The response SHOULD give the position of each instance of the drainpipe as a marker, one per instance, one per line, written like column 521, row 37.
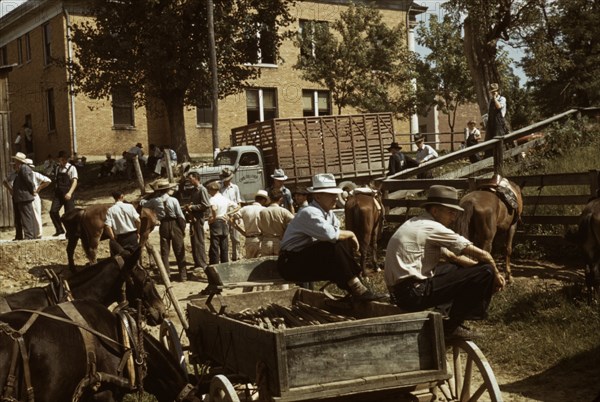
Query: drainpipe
column 70, row 77
column 410, row 37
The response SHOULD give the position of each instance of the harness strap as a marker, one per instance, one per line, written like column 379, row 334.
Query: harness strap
column 88, row 339
column 19, row 350
column 4, row 306
column 129, row 342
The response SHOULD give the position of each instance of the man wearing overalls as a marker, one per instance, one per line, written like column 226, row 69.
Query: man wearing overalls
column 65, row 179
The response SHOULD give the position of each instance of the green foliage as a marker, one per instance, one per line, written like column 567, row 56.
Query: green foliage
column 362, row 61
column 444, row 73
column 562, row 57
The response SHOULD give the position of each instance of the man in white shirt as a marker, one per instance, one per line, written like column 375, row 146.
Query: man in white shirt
column 65, row 181
column 220, row 209
column 232, row 192
column 249, row 216
column 40, row 182
column 424, row 154
column 122, row 223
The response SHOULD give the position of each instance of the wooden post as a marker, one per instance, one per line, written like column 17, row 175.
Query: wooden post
column 138, row 174
column 165, row 277
column 167, row 157
column 499, row 156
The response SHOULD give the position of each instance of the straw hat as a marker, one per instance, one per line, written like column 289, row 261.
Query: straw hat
column 261, row 193
column 494, row 87
column 226, row 174
column 162, row 184
column 324, row 183
column 443, row 195
column 29, row 162
column 21, row 157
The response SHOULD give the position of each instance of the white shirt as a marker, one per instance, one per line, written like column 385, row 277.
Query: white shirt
column 415, row 249
column 38, row 179
column 231, row 192
column 425, row 154
column 121, row 217
column 249, row 215
column 221, row 204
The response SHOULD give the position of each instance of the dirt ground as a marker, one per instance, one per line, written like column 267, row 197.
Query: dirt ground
column 22, row 264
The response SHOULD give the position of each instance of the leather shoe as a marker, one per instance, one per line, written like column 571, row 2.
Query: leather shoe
column 58, row 234
column 370, row 296
column 463, row 334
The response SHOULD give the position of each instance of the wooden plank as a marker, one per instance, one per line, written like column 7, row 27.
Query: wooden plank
column 556, row 199
column 551, row 220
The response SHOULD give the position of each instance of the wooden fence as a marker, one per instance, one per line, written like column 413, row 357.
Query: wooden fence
column 6, row 209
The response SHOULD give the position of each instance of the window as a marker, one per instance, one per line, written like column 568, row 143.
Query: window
column 204, row 114
column 50, row 109
column 261, row 45
column 27, row 47
column 3, row 55
column 19, row 50
column 261, row 104
column 123, row 111
column 47, row 33
column 315, row 103
column 249, row 159
column 308, row 31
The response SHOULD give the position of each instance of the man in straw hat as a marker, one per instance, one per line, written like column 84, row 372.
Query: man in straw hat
column 314, row 247
column 272, row 222
column 416, row 278
column 172, row 223
column 231, row 191
column 23, row 195
column 248, row 215
column 496, row 125
column 279, row 177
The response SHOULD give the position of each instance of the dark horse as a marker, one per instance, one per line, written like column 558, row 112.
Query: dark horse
column 364, row 216
column 64, row 365
column 101, row 283
column 485, row 214
column 588, row 237
column 87, row 224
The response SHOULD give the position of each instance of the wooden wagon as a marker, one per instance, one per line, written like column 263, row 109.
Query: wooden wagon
column 377, row 353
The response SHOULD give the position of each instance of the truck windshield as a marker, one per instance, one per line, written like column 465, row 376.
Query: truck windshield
column 226, row 158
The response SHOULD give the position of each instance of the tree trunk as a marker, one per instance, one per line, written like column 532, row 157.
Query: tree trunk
column 174, row 105
column 481, row 58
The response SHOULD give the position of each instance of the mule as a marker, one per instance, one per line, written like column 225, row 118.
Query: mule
column 87, row 224
column 63, row 366
column 364, row 216
column 588, row 236
column 485, row 214
column 102, row 283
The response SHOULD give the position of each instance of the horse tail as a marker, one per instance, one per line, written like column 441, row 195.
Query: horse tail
column 462, row 224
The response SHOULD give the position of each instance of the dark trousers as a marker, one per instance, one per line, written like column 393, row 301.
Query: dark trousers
column 129, row 241
column 28, row 220
column 57, row 203
column 321, row 261
column 18, row 226
column 171, row 233
column 219, row 245
column 468, row 290
column 197, row 241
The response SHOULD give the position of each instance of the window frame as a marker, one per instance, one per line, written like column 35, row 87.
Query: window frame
column 4, row 55
column 20, row 50
column 303, row 25
column 47, row 43
column 261, row 106
column 124, row 105
column 27, row 47
column 51, row 110
column 204, row 114
column 315, row 110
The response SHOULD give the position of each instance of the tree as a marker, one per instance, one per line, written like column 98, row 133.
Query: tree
column 562, row 57
column 362, row 61
column 158, row 50
column 448, row 74
column 485, row 25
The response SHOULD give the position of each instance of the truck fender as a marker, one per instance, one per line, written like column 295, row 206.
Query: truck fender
column 347, row 186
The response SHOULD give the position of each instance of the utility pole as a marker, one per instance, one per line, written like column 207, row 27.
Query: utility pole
column 213, row 70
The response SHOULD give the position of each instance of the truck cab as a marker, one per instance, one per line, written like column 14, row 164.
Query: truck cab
column 246, row 162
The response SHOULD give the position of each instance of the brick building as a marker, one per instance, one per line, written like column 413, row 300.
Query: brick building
column 35, row 34
column 435, row 126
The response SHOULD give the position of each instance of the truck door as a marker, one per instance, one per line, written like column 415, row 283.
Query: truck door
column 250, row 175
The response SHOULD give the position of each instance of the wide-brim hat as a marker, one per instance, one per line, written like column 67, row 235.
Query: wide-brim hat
column 21, row 157
column 443, row 195
column 279, row 174
column 494, row 87
column 301, row 190
column 394, row 145
column 29, row 162
column 226, row 174
column 162, row 184
column 262, row 193
column 324, row 183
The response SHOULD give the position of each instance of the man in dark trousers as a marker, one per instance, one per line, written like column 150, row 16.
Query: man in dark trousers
column 397, row 162
column 65, row 182
column 197, row 210
column 23, row 194
column 122, row 224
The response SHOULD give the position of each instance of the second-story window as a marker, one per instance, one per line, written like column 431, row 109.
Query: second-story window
column 123, row 110
column 47, row 34
column 309, row 29
column 20, row 50
column 262, row 44
column 27, row 47
column 204, row 114
column 51, row 110
column 261, row 104
column 315, row 103
column 3, row 55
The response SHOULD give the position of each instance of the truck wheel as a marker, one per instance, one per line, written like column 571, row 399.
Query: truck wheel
column 347, row 186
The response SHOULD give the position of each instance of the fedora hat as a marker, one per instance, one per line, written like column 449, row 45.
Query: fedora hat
column 494, row 87
column 394, row 145
column 261, row 193
column 21, row 157
column 162, row 184
column 226, row 174
column 443, row 195
column 29, row 162
column 279, row 174
column 324, row 183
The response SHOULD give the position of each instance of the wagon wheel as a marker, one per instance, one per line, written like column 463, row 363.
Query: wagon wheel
column 221, row 390
column 346, row 186
column 472, row 376
column 170, row 339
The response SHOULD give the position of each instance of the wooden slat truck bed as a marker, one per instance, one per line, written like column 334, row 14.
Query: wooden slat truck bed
column 380, row 350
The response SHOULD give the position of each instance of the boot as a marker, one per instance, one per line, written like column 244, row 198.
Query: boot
column 182, row 274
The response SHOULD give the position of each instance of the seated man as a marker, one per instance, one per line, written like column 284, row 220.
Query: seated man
column 418, row 281
column 314, row 247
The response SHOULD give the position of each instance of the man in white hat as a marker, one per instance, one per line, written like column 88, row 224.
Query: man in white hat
column 279, row 177
column 172, row 223
column 272, row 222
column 40, row 182
column 416, row 278
column 231, row 191
column 23, row 194
column 249, row 217
column 314, row 247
